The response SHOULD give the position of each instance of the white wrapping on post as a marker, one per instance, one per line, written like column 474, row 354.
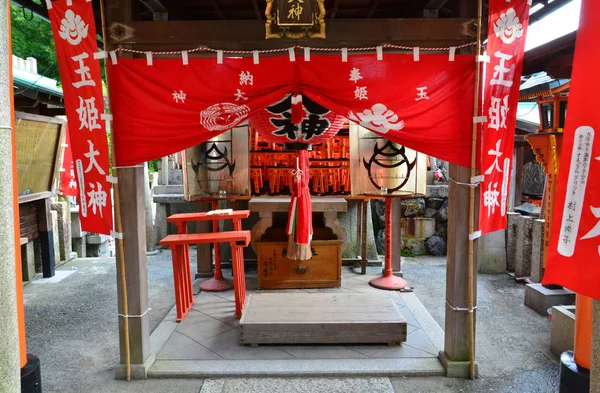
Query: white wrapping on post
column 255, row 56
column 306, row 54
column 416, row 51
column 379, row 51
column 452, row 53
column 475, row 235
column 482, row 58
column 477, row 179
column 116, row 235
column 112, row 179
column 479, row 119
column 69, row 2
column 292, row 52
column 48, row 4
column 100, row 55
column 149, row 58
column 219, row 57
column 113, row 57
column 344, row 55
column 184, row 57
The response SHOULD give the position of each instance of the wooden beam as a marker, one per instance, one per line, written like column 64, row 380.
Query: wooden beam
column 374, row 5
column 218, row 9
column 336, row 5
column 249, row 34
column 259, row 13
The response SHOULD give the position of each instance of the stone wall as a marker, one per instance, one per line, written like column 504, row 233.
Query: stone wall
column 424, row 223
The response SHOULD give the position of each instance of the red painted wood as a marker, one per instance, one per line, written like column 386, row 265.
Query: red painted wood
column 204, row 238
column 185, row 217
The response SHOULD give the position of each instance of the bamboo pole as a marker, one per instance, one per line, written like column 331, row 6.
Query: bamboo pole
column 118, row 224
column 471, row 312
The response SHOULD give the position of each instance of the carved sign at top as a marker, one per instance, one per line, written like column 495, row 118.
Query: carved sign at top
column 295, row 19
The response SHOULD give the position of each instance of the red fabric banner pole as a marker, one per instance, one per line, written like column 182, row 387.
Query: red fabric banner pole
column 507, row 30
column 74, row 32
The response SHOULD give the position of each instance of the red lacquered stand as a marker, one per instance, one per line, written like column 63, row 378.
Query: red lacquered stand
column 218, row 283
column 388, row 280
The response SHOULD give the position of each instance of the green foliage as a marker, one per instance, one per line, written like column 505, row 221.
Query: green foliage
column 33, row 38
column 153, row 166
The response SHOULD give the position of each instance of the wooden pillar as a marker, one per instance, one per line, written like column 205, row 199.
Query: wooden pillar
column 397, row 237
column 46, row 237
column 133, row 215
column 204, row 251
column 456, row 344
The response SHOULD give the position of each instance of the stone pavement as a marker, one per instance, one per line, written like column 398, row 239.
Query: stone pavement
column 72, row 327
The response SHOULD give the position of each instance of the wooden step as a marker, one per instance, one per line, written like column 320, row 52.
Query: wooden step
column 322, row 318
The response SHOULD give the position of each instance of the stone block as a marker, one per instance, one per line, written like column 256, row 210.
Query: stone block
column 435, row 203
column 540, row 298
column 511, row 240
column 537, row 250
column 523, row 254
column 429, row 212
column 76, row 231
column 437, row 191
column 492, row 253
column 96, row 239
column 96, row 250
column 417, row 228
column 79, row 246
column 562, row 329
column 64, row 229
column 27, row 261
column 169, row 189
column 413, row 207
column 55, row 237
column 348, row 220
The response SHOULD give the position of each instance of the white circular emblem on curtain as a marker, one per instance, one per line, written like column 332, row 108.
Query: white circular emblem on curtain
column 379, row 119
column 72, row 28
column 222, row 117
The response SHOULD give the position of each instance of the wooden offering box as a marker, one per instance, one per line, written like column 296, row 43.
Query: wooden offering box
column 276, row 271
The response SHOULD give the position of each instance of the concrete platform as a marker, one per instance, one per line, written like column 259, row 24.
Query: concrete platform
column 206, row 343
column 540, row 298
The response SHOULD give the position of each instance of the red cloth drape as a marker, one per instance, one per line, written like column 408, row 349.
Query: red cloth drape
column 299, row 227
column 168, row 106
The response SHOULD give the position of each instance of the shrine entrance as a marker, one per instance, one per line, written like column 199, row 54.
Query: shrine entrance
column 143, row 52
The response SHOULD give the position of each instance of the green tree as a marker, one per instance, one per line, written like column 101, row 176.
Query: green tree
column 32, row 37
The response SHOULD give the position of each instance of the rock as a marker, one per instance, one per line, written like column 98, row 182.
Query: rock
column 436, row 246
column 534, row 178
column 435, row 203
column 378, row 214
column 442, row 215
column 413, row 207
column 437, row 191
column 441, row 230
column 429, row 212
column 414, row 247
column 380, row 242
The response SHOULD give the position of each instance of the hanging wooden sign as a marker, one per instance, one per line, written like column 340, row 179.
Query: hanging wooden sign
column 295, row 19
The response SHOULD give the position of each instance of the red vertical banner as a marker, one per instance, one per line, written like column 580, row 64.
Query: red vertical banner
column 574, row 253
column 74, row 32
column 68, row 181
column 507, row 30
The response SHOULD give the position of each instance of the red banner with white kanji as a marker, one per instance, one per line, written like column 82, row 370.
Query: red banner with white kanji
column 422, row 101
column 507, row 29
column 68, row 182
column 74, row 32
column 574, row 252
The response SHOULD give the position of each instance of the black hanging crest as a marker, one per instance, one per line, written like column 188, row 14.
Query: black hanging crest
column 313, row 124
column 214, row 160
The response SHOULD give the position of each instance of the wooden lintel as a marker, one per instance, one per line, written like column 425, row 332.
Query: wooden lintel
column 250, row 34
